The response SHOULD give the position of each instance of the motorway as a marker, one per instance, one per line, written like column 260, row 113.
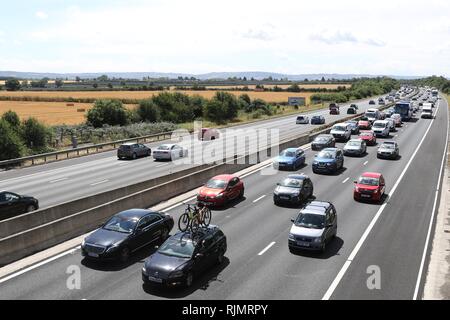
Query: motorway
column 258, row 264
column 67, row 180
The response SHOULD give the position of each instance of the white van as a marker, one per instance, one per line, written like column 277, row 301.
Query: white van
column 381, row 128
column 341, row 131
column 372, row 115
column 427, row 111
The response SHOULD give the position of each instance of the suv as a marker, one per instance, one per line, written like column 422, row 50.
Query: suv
column 314, row 227
column 341, row 131
column 133, row 150
column 328, row 160
column 302, row 120
column 184, row 256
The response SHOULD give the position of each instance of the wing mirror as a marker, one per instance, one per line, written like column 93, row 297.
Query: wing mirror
column 199, row 255
column 292, row 220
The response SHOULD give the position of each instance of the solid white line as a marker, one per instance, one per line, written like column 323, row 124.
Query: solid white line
column 366, row 233
column 266, row 248
column 162, row 165
column 14, row 275
column 346, row 180
column 179, row 204
column 58, row 180
column 256, row 200
column 430, row 227
column 97, row 183
column 365, row 163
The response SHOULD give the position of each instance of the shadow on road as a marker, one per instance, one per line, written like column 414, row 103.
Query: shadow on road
column 332, row 250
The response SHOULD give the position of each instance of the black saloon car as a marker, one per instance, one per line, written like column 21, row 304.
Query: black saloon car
column 125, row 233
column 323, row 141
column 12, row 204
column 133, row 150
column 351, row 110
column 294, row 189
column 317, row 120
column 184, row 256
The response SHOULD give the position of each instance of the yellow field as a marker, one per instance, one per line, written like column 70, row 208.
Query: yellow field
column 267, row 96
column 284, row 86
column 50, row 113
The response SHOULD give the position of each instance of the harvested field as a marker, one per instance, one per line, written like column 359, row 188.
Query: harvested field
column 284, row 86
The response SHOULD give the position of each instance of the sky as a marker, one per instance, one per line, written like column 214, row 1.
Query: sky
column 394, row 37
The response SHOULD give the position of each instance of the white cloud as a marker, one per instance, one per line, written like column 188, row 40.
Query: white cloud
column 41, row 15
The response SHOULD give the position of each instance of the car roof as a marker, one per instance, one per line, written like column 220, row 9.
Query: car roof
column 198, row 235
column 298, row 176
column 354, row 140
column 319, row 210
column 225, row 177
column 135, row 213
column 291, row 149
column 381, row 121
column 330, row 149
column 128, row 143
column 341, row 124
column 371, row 174
column 319, row 203
column 169, row 145
column 324, row 136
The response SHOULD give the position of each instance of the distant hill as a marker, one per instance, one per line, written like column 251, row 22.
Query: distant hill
column 207, row 76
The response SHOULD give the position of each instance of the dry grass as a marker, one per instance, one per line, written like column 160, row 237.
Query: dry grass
column 50, row 113
column 267, row 96
column 285, row 86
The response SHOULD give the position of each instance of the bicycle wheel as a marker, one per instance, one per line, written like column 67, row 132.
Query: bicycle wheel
column 194, row 225
column 206, row 217
column 183, row 222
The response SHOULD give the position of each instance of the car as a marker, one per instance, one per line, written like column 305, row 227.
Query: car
column 314, row 227
column 13, row 204
column 317, row 120
column 381, row 101
column 221, row 189
column 364, row 124
column 353, row 105
column 390, row 111
column 372, row 115
column 341, row 131
column 369, row 137
column 125, row 233
column 323, row 141
column 351, row 110
column 184, row 256
column 294, row 189
column 397, row 119
column 372, row 102
column 388, row 149
column 381, row 128
column 302, row 120
column 353, row 126
column 382, row 115
column 291, row 158
column 369, row 186
column 334, row 111
column 329, row 160
column 208, row 134
column 391, row 124
column 427, row 112
column 133, row 151
column 169, row 152
column 355, row 147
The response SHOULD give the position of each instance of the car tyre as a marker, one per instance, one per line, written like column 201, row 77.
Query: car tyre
column 164, row 234
column 324, row 247
column 189, row 279
column 30, row 208
column 134, row 156
column 220, row 257
column 241, row 194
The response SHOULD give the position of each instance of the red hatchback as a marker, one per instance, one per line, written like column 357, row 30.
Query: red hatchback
column 364, row 125
column 369, row 137
column 221, row 189
column 370, row 186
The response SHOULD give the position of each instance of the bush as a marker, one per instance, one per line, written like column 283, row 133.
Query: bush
column 109, row 112
column 12, row 85
column 35, row 134
column 148, row 111
column 10, row 143
column 13, row 119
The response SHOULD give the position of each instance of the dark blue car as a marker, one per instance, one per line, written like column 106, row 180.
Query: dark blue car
column 329, row 160
column 318, row 120
column 291, row 158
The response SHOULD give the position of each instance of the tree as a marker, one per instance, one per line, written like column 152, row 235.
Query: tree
column 229, row 102
column 215, row 111
column 294, row 88
column 77, row 79
column 108, row 112
column 10, row 143
column 103, row 78
column 148, row 111
column 95, row 85
column 12, row 85
column 59, row 83
column 13, row 120
column 34, row 134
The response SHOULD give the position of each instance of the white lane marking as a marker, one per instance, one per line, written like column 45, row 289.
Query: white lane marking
column 346, row 180
column 14, row 275
column 365, row 163
column 97, row 183
column 361, row 241
column 58, row 180
column 256, row 200
column 162, row 165
column 266, row 248
column 179, row 204
column 430, row 227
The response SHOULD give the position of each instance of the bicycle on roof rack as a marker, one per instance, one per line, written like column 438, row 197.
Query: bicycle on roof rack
column 195, row 217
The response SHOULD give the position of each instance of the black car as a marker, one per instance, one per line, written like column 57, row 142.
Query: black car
column 133, row 150
column 125, row 233
column 317, row 120
column 296, row 188
column 353, row 105
column 351, row 110
column 354, row 126
column 12, row 204
column 372, row 102
column 323, row 141
column 184, row 256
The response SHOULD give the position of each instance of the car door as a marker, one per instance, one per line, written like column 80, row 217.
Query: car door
column 177, row 152
column 5, row 206
column 382, row 185
column 202, row 257
column 299, row 157
column 141, row 235
column 232, row 191
column 143, row 149
column 306, row 188
column 339, row 158
column 12, row 204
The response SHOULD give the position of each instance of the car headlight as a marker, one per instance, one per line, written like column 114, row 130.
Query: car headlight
column 291, row 236
column 275, row 192
column 113, row 247
column 315, row 163
column 144, row 271
column 329, row 164
column 318, row 240
column 220, row 195
column 176, row 274
column 83, row 242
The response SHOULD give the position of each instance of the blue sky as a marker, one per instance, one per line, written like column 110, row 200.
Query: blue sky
column 397, row 37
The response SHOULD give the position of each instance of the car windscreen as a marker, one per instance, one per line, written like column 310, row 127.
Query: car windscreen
column 287, row 153
column 291, row 183
column 300, row 118
column 321, row 139
column 354, row 143
column 121, row 224
column 338, row 128
column 369, row 181
column 326, row 154
column 164, row 147
column 177, row 247
column 216, row 184
column 379, row 125
column 313, row 221
column 371, row 114
column 388, row 146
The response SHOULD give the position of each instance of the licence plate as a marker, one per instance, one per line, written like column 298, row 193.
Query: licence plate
column 93, row 255
column 284, row 197
column 154, row 279
column 365, row 195
column 303, row 244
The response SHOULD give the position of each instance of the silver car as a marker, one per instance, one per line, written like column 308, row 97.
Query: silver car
column 388, row 150
column 302, row 120
column 355, row 147
column 169, row 152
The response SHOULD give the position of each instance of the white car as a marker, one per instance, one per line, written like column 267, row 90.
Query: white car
column 341, row 131
column 397, row 119
column 169, row 152
column 302, row 120
column 391, row 124
column 427, row 112
column 381, row 128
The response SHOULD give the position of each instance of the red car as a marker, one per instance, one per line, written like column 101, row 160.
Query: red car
column 369, row 137
column 364, row 125
column 370, row 186
column 221, row 189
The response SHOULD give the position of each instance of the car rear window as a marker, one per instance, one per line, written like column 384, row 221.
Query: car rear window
column 125, row 147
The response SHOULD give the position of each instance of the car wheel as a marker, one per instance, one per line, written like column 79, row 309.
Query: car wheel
column 241, row 194
column 134, row 156
column 149, row 153
column 124, row 254
column 164, row 234
column 312, row 193
column 30, row 208
column 324, row 247
column 189, row 279
column 220, row 257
